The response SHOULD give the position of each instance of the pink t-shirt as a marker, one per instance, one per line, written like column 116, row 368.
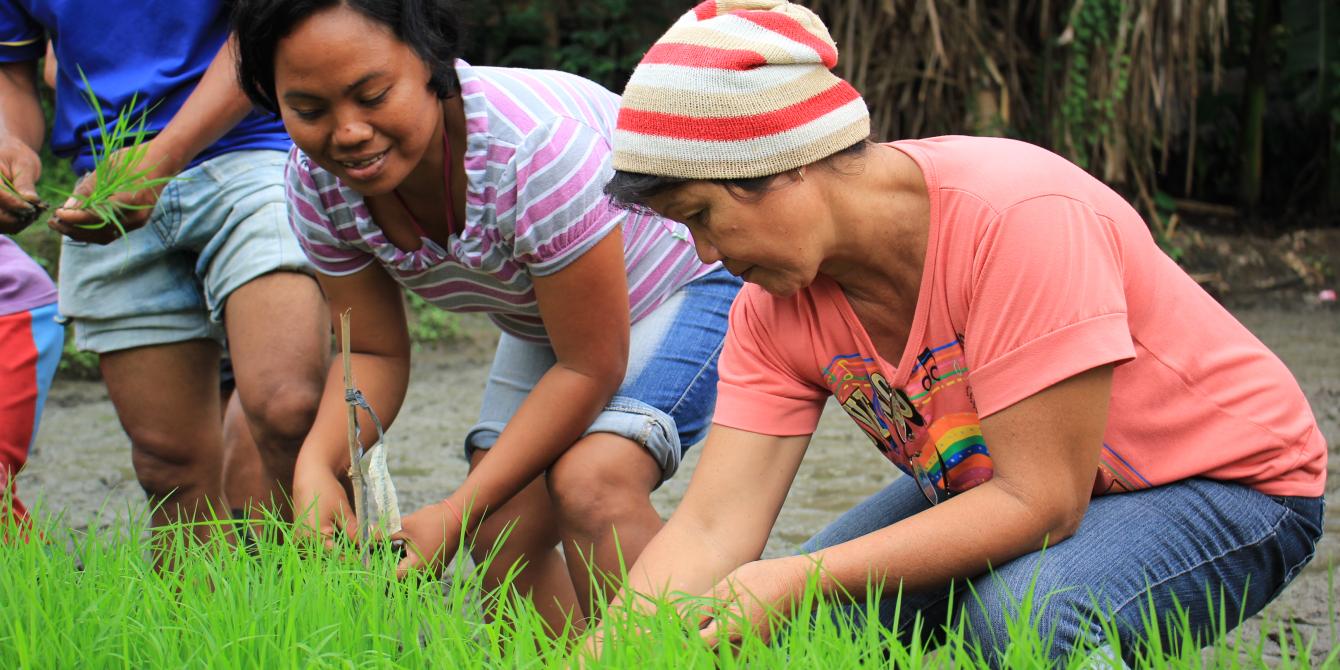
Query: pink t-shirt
column 1035, row 272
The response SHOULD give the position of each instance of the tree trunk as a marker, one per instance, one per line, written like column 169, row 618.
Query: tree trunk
column 1329, row 106
column 1254, row 104
column 553, row 37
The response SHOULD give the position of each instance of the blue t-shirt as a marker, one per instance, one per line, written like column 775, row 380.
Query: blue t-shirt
column 156, row 48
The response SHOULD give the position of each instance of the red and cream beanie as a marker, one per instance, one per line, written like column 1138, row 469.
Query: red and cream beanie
column 737, row 89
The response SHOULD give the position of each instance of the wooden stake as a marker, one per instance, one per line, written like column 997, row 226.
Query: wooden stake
column 355, row 468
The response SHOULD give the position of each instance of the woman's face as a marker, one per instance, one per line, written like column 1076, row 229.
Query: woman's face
column 775, row 239
column 355, row 99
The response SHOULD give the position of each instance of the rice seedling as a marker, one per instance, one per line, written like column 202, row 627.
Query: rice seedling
column 1330, row 599
column 119, row 151
column 34, row 208
column 92, row 599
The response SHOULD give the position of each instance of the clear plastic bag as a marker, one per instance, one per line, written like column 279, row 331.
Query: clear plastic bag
column 379, row 496
column 383, row 507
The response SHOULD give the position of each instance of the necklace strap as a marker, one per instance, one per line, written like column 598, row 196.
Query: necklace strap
column 446, row 187
column 446, row 177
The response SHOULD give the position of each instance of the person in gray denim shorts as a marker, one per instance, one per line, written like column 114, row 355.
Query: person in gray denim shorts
column 209, row 256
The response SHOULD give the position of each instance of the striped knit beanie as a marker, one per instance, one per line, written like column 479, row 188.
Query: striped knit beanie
column 737, row 89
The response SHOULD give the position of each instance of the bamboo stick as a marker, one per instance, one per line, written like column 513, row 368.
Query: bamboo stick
column 355, row 468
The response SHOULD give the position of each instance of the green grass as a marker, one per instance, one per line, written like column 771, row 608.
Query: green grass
column 91, row 599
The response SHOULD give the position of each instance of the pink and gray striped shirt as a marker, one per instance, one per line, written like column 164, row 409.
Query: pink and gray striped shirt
column 537, row 158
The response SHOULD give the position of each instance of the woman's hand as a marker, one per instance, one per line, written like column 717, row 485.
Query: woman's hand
column 431, row 536
column 756, row 595
column 379, row 345
column 134, row 207
column 321, row 505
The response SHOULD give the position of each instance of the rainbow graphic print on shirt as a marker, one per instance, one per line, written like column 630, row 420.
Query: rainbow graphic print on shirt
column 931, row 420
column 935, row 408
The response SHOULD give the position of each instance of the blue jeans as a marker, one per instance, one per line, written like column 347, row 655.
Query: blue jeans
column 221, row 225
column 669, row 390
column 1184, row 542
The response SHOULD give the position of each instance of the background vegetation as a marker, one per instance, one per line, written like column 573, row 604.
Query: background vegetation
column 1234, row 103
column 1223, row 112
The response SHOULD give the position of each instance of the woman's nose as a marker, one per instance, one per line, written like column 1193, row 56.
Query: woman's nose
column 707, row 252
column 352, row 131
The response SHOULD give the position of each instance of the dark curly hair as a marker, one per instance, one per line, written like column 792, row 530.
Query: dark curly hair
column 431, row 28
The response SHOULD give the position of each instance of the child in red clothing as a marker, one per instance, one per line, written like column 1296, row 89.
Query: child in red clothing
column 30, row 346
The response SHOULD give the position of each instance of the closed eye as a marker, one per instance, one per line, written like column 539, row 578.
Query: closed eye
column 306, row 114
column 697, row 219
column 376, row 99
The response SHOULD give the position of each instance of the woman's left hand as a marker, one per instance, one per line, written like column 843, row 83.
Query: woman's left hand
column 431, row 536
column 755, row 595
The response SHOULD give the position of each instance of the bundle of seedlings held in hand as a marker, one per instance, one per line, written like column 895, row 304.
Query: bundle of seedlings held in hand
column 31, row 206
column 119, row 153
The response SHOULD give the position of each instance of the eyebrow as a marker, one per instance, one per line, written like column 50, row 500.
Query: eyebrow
column 347, row 89
column 363, row 80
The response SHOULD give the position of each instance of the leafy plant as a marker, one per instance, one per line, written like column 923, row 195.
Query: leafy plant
column 119, row 154
column 77, row 364
column 1096, row 79
column 428, row 323
column 1163, row 222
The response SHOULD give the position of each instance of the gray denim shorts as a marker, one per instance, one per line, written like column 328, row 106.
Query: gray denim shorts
column 223, row 224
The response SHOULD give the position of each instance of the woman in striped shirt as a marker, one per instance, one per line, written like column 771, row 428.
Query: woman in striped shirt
column 480, row 189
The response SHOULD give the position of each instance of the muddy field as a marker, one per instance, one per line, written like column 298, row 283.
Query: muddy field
column 81, row 462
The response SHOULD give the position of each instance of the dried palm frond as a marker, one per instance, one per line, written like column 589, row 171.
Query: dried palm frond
column 1108, row 83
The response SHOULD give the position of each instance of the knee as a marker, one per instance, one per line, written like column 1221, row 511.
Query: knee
column 163, row 469
column 592, row 495
column 282, row 416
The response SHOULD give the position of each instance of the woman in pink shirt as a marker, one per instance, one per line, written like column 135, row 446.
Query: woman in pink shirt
column 1001, row 326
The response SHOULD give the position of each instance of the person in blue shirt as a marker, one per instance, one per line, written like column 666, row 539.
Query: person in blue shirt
column 209, row 256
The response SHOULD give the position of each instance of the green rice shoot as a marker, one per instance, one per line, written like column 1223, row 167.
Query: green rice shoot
column 8, row 186
column 125, row 139
column 34, row 208
column 91, row 598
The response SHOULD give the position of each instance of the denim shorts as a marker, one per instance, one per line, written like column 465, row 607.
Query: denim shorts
column 223, row 224
column 669, row 391
column 1182, row 544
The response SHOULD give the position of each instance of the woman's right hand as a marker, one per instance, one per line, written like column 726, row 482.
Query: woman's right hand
column 320, row 504
column 379, row 360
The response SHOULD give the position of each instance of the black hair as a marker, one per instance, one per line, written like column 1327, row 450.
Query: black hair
column 430, row 27
column 632, row 190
